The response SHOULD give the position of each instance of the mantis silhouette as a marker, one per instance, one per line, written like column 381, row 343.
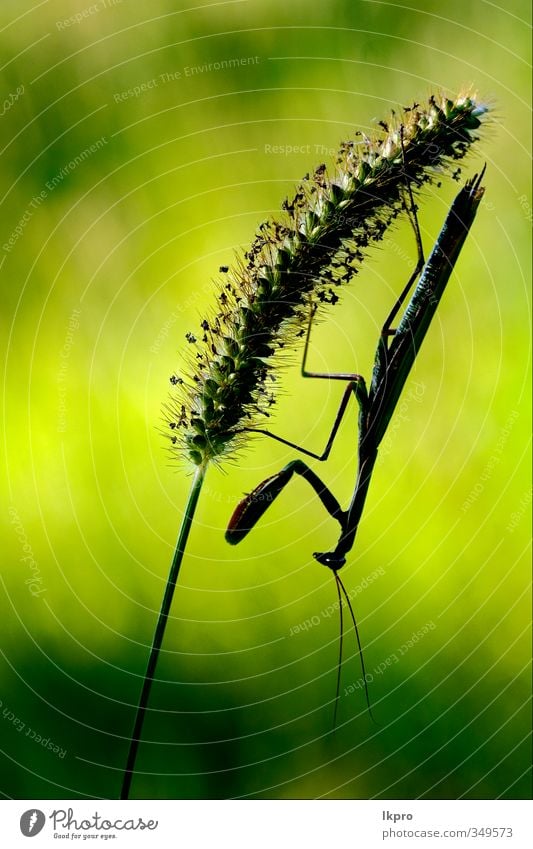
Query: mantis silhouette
column 396, row 352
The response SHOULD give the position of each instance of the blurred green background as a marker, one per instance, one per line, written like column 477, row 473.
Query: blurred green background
column 120, row 204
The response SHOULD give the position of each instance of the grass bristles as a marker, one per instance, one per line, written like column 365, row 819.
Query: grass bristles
column 316, row 245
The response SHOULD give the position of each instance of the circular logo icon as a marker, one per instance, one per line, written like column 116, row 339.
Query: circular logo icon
column 32, row 822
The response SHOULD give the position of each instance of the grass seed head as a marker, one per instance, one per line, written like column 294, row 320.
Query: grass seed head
column 307, row 255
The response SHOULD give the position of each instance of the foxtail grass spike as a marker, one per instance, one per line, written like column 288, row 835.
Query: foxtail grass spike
column 316, row 245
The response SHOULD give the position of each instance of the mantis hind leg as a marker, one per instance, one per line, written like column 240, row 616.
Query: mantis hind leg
column 352, row 377
column 357, row 386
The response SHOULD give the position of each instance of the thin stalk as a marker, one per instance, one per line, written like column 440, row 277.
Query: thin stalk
column 160, row 627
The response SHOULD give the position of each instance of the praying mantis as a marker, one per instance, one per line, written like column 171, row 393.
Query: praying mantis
column 396, row 352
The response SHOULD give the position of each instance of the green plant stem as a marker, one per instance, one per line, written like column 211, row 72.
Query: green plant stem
column 160, row 627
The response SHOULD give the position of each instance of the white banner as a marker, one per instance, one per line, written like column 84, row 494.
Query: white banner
column 269, row 824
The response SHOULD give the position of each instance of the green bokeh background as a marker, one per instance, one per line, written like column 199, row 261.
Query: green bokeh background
column 131, row 238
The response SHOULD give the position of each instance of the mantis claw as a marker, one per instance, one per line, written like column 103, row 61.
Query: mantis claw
column 251, row 508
